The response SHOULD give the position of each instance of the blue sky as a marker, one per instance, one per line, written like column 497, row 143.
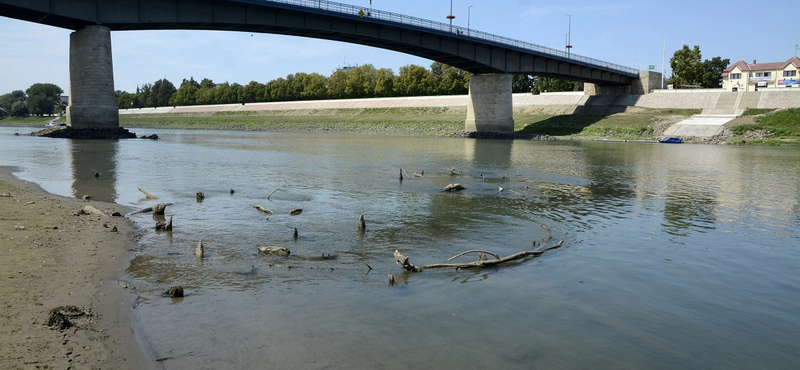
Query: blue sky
column 618, row 31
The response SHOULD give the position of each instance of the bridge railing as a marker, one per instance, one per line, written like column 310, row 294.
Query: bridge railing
column 353, row 10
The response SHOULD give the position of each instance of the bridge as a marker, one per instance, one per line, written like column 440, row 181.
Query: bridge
column 491, row 58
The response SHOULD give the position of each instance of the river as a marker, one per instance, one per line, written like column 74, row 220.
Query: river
column 674, row 256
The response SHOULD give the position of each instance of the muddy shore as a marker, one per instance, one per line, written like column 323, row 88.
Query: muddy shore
column 61, row 304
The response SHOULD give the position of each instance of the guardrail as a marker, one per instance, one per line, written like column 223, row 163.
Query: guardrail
column 353, row 10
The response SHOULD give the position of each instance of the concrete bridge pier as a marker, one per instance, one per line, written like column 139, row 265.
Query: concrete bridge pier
column 490, row 107
column 91, row 80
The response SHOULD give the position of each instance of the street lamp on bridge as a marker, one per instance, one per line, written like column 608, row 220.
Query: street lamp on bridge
column 569, row 35
column 451, row 16
column 468, row 17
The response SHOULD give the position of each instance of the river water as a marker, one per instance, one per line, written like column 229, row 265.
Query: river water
column 674, row 256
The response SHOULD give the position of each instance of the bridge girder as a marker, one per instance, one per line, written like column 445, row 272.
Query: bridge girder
column 474, row 55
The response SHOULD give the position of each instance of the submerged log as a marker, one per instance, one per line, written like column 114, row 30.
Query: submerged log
column 296, row 211
column 147, row 195
column 279, row 251
column 262, row 209
column 403, row 260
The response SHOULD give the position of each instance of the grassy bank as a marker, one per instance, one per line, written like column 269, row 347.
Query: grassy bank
column 757, row 126
column 29, row 121
column 769, row 127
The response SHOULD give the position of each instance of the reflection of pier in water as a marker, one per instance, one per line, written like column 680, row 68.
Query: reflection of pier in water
column 88, row 156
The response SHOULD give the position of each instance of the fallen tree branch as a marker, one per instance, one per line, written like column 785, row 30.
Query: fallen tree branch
column 403, row 260
column 147, row 195
column 273, row 192
column 473, row 251
column 150, row 209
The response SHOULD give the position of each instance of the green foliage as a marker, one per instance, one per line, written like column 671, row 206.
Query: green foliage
column 7, row 101
column 755, row 111
column 358, row 82
column 712, row 72
column 782, row 124
column 687, row 66
column 43, row 98
column 550, row 84
column 522, row 83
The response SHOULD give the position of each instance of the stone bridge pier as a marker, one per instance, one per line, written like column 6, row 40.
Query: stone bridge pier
column 91, row 80
column 490, row 107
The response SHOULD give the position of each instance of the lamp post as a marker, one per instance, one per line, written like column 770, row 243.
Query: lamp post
column 451, row 16
column 569, row 35
column 468, row 18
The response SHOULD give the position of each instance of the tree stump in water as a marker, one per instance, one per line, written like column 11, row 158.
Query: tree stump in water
column 159, row 209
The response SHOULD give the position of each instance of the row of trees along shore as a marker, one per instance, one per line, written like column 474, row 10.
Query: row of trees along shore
column 364, row 81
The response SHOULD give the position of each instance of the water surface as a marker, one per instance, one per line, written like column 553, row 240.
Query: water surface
column 675, row 256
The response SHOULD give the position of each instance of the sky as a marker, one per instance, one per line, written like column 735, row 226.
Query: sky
column 636, row 33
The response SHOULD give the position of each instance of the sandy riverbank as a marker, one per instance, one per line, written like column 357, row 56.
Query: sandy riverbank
column 51, row 257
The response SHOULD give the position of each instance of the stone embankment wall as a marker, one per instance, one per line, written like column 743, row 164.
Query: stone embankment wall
column 681, row 99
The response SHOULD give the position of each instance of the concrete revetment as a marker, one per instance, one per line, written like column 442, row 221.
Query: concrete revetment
column 91, row 80
column 490, row 107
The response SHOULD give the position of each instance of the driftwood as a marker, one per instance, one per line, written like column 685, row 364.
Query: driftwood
column 147, row 195
column 174, row 292
column 199, row 251
column 280, row 251
column 167, row 226
column 159, row 208
column 296, row 211
column 295, row 235
column 150, row 209
column 454, row 187
column 92, row 210
column 262, row 209
column 403, row 260
column 270, row 194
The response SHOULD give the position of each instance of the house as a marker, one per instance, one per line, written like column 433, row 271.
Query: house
column 750, row 77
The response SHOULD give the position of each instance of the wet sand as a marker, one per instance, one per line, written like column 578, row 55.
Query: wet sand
column 51, row 256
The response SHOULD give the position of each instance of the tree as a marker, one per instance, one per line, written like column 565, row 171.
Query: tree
column 551, row 84
column 18, row 109
column 7, row 100
column 124, row 99
column 521, row 83
column 186, row 93
column 712, row 72
column 43, row 98
column 161, row 93
column 448, row 80
column 687, row 66
column 413, row 80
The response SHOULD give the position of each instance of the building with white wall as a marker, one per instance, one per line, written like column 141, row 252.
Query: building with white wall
column 750, row 77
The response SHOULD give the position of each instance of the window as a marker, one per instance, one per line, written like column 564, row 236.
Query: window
column 736, row 76
column 763, row 74
column 789, row 73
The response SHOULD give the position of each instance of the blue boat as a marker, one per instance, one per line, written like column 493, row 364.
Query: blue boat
column 671, row 140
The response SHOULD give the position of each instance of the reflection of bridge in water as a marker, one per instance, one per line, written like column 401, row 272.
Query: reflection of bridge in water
column 491, row 57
